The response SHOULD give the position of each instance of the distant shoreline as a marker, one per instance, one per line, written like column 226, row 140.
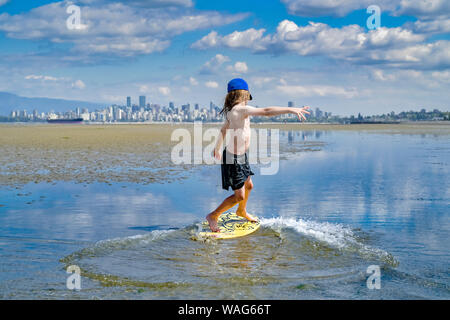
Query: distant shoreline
column 426, row 122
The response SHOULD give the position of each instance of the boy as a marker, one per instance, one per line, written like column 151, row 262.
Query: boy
column 236, row 170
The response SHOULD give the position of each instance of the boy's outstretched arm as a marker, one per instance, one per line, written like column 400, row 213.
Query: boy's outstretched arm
column 223, row 132
column 275, row 111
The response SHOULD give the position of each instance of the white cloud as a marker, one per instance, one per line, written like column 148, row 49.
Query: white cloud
column 412, row 78
column 432, row 26
column 211, row 84
column 213, row 65
column 164, row 90
column 112, row 28
column 434, row 55
column 424, row 8
column 144, row 88
column 314, row 38
column 443, row 76
column 66, row 82
column 244, row 39
column 380, row 75
column 208, row 41
column 397, row 47
column 316, row 90
column 42, row 77
column 340, row 8
column 261, row 81
column 50, row 84
column 78, row 84
column 238, row 68
column 146, row 3
column 153, row 88
column 390, row 37
column 193, row 81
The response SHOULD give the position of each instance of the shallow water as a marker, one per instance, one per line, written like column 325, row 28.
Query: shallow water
column 354, row 200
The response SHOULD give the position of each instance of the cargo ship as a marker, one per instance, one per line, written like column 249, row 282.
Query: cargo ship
column 73, row 120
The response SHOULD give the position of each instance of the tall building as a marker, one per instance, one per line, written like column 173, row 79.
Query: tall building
column 141, row 101
column 118, row 114
column 129, row 102
column 291, row 104
column 318, row 113
column 186, row 107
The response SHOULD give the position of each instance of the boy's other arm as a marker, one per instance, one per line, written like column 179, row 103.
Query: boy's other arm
column 223, row 132
column 275, row 111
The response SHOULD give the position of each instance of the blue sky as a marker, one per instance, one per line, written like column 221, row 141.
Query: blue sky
column 318, row 53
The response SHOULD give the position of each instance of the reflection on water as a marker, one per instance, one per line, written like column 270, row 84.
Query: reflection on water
column 298, row 136
column 340, row 202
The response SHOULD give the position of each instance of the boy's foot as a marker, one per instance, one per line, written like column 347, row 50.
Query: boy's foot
column 212, row 223
column 247, row 216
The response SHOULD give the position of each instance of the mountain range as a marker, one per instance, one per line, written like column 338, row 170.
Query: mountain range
column 10, row 102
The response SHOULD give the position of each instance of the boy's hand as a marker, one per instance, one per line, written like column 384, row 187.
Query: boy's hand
column 217, row 155
column 301, row 111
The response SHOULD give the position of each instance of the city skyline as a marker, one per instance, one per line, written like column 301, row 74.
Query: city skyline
column 318, row 54
column 153, row 112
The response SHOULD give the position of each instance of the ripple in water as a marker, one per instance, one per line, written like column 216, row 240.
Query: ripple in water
column 282, row 259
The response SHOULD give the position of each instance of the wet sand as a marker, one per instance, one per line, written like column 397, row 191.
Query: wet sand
column 127, row 153
column 425, row 127
column 85, row 153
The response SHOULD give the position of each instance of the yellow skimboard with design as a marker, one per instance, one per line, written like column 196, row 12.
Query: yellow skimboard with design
column 231, row 226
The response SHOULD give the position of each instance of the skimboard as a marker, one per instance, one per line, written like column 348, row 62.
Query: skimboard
column 231, row 226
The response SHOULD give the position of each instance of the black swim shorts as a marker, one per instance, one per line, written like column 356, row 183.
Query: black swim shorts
column 235, row 170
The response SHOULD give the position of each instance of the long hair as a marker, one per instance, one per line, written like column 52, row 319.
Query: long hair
column 233, row 98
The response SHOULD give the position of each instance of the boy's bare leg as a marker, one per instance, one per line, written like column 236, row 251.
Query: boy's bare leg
column 228, row 203
column 242, row 209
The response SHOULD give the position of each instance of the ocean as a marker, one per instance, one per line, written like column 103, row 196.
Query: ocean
column 350, row 214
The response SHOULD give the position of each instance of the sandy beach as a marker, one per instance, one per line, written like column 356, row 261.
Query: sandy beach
column 129, row 152
column 81, row 153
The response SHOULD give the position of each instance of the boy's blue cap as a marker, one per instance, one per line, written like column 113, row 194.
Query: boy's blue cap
column 238, row 84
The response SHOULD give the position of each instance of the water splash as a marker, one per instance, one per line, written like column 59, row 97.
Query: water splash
column 334, row 235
